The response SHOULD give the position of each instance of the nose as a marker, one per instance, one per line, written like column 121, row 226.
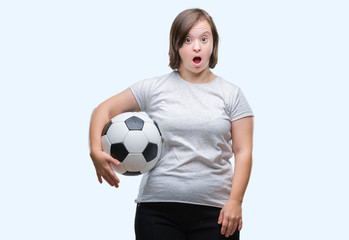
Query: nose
column 196, row 46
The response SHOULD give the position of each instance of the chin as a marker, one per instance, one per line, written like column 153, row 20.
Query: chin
column 194, row 69
column 200, row 69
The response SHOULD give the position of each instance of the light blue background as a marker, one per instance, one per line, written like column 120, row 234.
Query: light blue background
column 60, row 59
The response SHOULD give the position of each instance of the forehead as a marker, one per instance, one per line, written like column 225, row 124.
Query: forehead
column 200, row 27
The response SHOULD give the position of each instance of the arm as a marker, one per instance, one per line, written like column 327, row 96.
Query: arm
column 242, row 135
column 122, row 102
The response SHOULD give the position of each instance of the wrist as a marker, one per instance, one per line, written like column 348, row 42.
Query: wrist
column 94, row 152
column 235, row 200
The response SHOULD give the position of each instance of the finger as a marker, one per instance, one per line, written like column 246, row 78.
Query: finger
column 111, row 180
column 99, row 178
column 232, row 229
column 224, row 226
column 108, row 180
column 114, row 178
column 240, row 225
column 108, row 176
column 222, row 222
column 220, row 218
column 229, row 229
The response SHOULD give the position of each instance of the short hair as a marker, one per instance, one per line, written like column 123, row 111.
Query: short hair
column 180, row 29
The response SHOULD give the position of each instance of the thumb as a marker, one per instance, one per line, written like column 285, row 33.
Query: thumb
column 113, row 161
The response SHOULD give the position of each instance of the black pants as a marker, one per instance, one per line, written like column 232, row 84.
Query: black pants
column 178, row 221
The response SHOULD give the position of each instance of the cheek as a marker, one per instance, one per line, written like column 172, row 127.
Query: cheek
column 182, row 53
column 208, row 50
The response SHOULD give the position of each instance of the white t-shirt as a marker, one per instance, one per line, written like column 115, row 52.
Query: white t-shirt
column 195, row 122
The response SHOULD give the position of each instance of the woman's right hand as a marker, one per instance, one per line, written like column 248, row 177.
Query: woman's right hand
column 122, row 102
column 102, row 161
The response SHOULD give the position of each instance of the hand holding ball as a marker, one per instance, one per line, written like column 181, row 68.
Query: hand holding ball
column 133, row 139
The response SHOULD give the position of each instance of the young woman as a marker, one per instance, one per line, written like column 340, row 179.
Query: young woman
column 192, row 192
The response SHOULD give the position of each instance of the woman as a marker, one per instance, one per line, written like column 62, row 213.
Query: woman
column 192, row 193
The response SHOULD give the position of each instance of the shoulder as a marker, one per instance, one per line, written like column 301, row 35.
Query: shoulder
column 171, row 75
column 155, row 86
column 156, row 80
column 226, row 87
column 232, row 94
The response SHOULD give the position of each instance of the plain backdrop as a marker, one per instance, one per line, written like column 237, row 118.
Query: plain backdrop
column 60, row 59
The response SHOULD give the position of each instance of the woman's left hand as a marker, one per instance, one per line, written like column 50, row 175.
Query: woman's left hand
column 230, row 218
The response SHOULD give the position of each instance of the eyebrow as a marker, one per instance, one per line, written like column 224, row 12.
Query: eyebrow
column 206, row 32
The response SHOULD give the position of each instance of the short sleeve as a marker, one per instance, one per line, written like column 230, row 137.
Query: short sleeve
column 240, row 107
column 142, row 90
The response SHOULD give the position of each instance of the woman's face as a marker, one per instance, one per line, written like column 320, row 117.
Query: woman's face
column 197, row 48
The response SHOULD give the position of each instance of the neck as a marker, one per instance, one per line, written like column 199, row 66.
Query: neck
column 204, row 76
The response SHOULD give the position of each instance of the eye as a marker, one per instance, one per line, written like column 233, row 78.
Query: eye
column 204, row 39
column 188, row 40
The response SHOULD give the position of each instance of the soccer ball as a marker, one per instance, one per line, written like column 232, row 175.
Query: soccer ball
column 133, row 139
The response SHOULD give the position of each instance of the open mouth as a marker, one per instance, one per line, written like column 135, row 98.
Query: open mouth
column 197, row 60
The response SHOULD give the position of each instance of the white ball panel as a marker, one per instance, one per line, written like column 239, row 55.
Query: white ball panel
column 119, row 169
column 106, row 144
column 135, row 141
column 151, row 132
column 117, row 132
column 134, row 162
column 122, row 117
column 149, row 165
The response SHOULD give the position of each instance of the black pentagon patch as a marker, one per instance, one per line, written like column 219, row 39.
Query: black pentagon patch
column 132, row 173
column 150, row 152
column 118, row 151
column 134, row 123
column 106, row 127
